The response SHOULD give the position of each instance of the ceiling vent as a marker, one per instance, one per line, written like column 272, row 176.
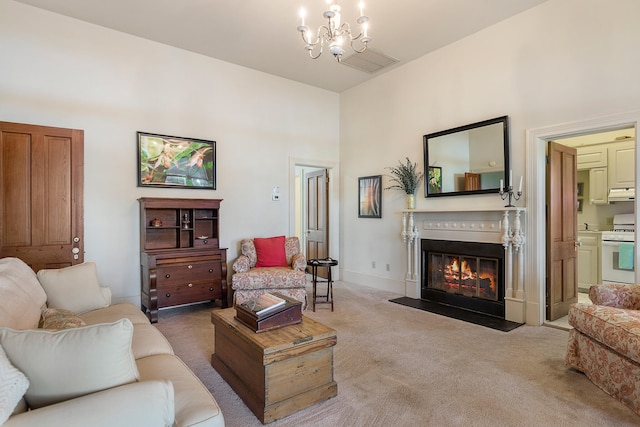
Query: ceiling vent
column 369, row 61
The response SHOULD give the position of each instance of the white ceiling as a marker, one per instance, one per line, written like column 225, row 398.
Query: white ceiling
column 262, row 35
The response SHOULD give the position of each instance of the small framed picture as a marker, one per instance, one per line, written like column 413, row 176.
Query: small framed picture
column 175, row 162
column 370, row 196
column 434, row 179
column 580, row 189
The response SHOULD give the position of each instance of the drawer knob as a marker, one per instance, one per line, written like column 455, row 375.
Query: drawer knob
column 190, row 285
column 168, row 295
column 190, row 266
column 167, row 275
column 210, row 289
column 211, row 270
column 205, row 242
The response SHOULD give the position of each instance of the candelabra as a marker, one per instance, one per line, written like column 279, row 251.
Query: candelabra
column 511, row 194
column 334, row 33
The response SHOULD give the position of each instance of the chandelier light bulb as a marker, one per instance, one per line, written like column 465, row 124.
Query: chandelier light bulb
column 303, row 13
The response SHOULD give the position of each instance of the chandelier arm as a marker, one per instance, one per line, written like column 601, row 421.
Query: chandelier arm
column 356, row 49
column 322, row 35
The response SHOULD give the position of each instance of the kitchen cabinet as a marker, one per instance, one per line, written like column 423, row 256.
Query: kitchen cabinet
column 621, row 164
column 181, row 261
column 589, row 252
column 592, row 156
column 598, row 186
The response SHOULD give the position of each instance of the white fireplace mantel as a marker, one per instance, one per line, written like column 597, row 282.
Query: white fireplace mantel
column 500, row 225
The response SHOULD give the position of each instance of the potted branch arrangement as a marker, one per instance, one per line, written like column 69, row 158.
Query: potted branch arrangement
column 405, row 177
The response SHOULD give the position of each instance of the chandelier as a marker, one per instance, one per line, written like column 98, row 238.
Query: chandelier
column 335, row 34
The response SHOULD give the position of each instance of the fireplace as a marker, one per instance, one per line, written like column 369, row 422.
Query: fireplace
column 468, row 275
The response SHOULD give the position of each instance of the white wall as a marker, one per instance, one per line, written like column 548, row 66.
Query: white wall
column 562, row 61
column 57, row 71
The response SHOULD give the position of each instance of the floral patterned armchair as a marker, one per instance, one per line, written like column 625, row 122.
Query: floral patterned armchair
column 605, row 341
column 250, row 279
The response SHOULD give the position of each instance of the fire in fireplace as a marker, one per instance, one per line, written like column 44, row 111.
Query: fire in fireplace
column 468, row 275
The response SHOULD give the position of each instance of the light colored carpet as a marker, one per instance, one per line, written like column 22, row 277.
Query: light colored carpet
column 399, row 366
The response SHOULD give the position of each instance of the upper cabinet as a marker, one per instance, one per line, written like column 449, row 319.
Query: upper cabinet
column 621, row 160
column 592, row 156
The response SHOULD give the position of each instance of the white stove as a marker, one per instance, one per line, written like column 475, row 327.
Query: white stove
column 617, row 269
column 624, row 226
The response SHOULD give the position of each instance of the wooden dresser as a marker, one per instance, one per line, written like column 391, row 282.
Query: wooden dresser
column 181, row 261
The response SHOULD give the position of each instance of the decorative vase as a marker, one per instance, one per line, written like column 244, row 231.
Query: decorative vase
column 411, row 201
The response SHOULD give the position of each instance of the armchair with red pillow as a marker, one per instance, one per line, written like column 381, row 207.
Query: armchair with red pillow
column 269, row 264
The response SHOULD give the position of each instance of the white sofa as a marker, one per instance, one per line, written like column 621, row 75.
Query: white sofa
column 80, row 361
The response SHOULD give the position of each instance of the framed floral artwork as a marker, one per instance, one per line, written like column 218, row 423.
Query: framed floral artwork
column 176, row 162
column 370, row 196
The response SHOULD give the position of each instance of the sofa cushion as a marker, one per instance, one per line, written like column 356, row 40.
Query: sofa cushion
column 21, row 295
column 13, row 385
column 59, row 318
column 74, row 288
column 616, row 328
column 115, row 312
column 149, row 341
column 194, row 405
column 142, row 404
column 73, row 362
column 270, row 252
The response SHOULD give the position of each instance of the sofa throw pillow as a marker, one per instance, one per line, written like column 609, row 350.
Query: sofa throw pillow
column 13, row 384
column 21, row 295
column 74, row 362
column 59, row 318
column 74, row 288
column 270, row 252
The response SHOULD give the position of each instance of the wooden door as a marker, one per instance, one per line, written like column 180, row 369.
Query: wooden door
column 317, row 239
column 562, row 231
column 41, row 195
column 471, row 181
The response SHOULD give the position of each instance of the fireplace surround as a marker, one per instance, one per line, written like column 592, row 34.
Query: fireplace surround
column 503, row 227
column 468, row 275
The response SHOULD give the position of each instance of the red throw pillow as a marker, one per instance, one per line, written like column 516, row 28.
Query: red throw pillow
column 270, row 252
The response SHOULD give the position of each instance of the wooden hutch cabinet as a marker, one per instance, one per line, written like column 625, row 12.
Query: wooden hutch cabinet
column 181, row 261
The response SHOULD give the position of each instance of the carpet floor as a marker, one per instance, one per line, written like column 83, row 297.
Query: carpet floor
column 398, row 366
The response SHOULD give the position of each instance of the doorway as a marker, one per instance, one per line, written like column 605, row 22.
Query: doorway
column 536, row 141
column 324, row 227
column 603, row 163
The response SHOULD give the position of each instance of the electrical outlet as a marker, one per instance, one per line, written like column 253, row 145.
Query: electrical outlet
column 388, row 267
column 373, row 264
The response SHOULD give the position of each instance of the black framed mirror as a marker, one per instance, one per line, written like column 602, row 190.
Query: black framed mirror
column 470, row 159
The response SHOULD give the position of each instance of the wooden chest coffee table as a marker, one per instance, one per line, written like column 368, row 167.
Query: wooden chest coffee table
column 278, row 372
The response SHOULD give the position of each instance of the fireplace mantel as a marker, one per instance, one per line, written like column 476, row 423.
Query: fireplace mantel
column 491, row 225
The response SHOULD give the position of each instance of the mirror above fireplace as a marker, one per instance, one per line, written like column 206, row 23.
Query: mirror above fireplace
column 470, row 159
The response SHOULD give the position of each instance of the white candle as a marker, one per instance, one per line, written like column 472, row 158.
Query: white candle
column 365, row 26
column 501, row 185
column 520, row 186
column 510, row 184
column 361, row 7
column 302, row 14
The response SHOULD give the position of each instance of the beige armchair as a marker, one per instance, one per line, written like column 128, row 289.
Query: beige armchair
column 264, row 265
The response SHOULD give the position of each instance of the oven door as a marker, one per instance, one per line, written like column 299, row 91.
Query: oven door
column 611, row 272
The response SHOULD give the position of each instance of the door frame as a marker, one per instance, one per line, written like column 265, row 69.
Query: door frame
column 333, row 171
column 536, row 140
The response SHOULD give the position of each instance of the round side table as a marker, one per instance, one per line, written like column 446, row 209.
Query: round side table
column 314, row 264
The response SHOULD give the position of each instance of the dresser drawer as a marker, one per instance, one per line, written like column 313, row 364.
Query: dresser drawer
column 184, row 293
column 188, row 273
